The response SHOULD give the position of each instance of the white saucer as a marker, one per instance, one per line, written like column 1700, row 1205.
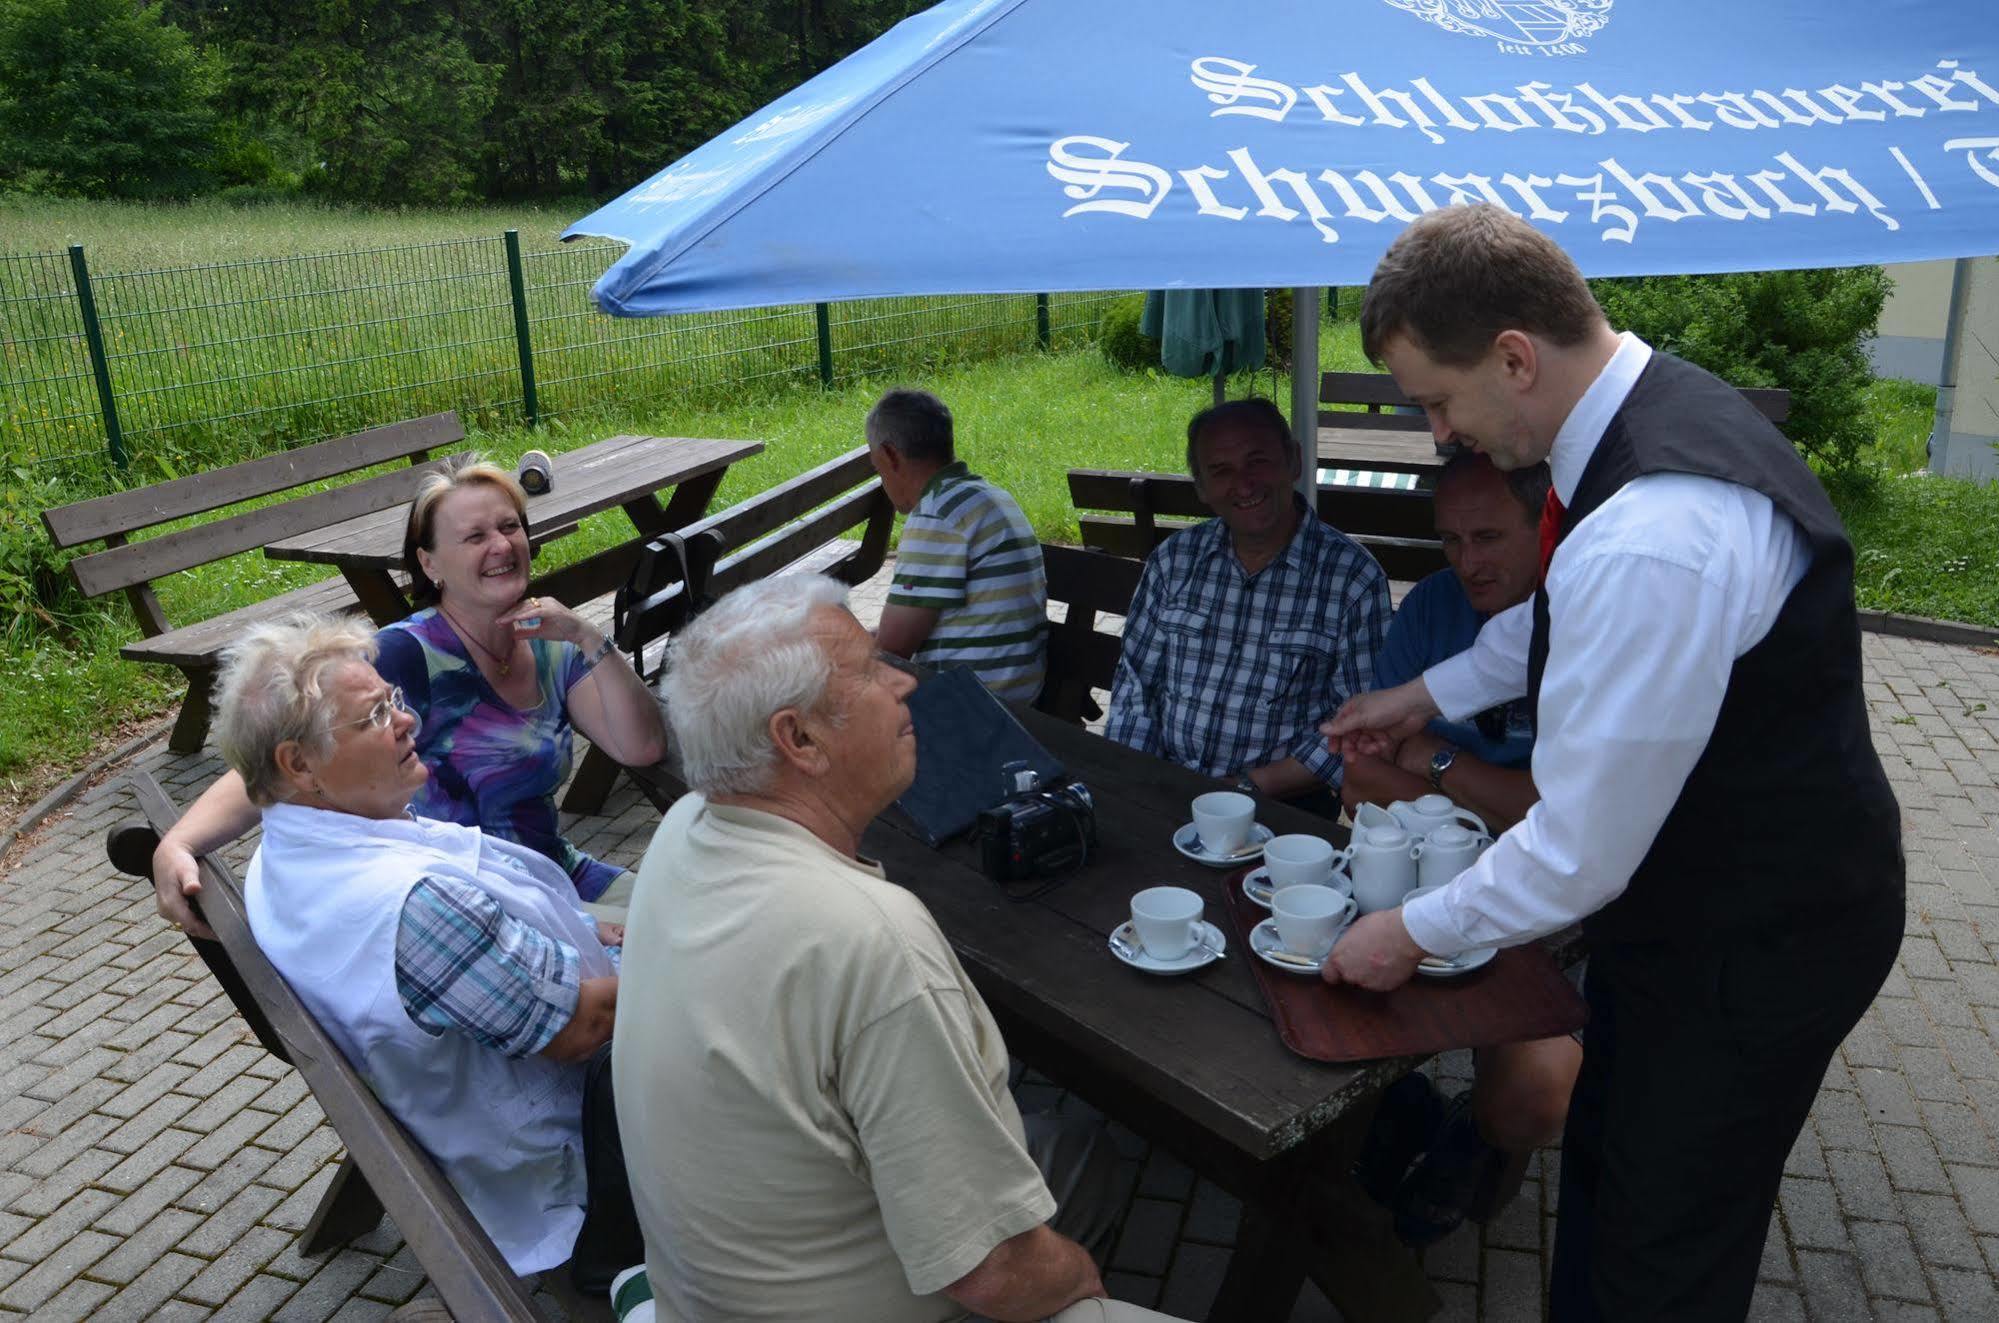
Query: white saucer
column 1259, row 835
column 1464, row 963
column 1196, row 958
column 1256, row 885
column 1263, row 939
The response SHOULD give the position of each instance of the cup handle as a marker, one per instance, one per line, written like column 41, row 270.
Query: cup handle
column 1416, row 848
column 1194, row 933
column 1472, row 819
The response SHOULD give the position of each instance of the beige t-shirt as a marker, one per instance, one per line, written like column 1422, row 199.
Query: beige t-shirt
column 812, row 1096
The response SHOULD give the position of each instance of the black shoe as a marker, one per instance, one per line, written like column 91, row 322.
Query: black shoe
column 1432, row 1199
column 1411, row 1110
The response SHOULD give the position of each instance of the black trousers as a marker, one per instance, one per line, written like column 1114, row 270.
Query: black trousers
column 1700, row 1065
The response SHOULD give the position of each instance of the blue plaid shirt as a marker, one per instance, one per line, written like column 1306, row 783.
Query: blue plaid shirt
column 464, row 965
column 1223, row 671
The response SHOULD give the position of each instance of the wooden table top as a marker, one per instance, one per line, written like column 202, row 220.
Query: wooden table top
column 1201, row 1044
column 1378, row 448
column 588, row 481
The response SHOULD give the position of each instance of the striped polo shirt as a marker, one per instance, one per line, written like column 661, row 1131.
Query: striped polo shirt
column 969, row 554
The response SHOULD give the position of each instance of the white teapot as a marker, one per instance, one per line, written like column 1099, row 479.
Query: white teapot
column 1447, row 851
column 1382, row 862
column 1426, row 813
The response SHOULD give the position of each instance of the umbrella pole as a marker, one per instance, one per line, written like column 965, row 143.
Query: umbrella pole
column 1305, row 389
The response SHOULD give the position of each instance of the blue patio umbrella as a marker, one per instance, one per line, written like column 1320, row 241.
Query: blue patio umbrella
column 1053, row 145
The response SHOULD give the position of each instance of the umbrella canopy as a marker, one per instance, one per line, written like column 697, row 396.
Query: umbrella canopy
column 1048, row 145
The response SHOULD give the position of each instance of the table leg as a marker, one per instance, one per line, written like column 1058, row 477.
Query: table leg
column 378, row 595
column 1265, row 1272
column 687, row 504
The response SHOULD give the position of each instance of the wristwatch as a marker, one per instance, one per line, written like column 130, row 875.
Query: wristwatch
column 1440, row 762
column 1247, row 784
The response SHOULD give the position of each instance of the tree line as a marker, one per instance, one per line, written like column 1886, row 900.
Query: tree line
column 393, row 101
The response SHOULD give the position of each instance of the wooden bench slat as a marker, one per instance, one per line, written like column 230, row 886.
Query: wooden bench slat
column 198, row 644
column 1352, row 510
column 126, row 512
column 750, row 519
column 775, row 553
column 463, row 1263
column 140, row 562
column 1352, row 420
column 1377, row 389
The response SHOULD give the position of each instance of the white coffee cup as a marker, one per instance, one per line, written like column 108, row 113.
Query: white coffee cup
column 1447, row 851
column 1425, row 813
column 1383, row 863
column 1297, row 861
column 1310, row 918
column 1222, row 819
column 1167, row 921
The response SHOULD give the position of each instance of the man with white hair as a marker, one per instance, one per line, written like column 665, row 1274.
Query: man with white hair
column 812, row 1095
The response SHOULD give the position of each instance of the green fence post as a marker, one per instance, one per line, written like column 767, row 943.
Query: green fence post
column 1041, row 320
column 824, row 317
column 100, row 366
column 530, row 402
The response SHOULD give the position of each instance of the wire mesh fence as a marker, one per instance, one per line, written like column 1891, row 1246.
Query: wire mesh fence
column 197, row 365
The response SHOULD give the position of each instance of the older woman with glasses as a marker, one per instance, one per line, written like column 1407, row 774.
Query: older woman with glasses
column 502, row 681
column 458, row 972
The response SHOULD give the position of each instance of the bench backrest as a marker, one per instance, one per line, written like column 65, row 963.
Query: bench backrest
column 467, row 1268
column 679, row 573
column 1080, row 656
column 1395, row 526
column 1379, row 393
column 130, row 565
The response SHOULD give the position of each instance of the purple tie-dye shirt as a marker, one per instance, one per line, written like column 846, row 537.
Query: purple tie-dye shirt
column 492, row 765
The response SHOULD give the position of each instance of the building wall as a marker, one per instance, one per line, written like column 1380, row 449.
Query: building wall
column 1974, row 424
column 1910, row 344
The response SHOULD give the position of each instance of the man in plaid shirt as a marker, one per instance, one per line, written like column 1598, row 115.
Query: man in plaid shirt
column 1249, row 630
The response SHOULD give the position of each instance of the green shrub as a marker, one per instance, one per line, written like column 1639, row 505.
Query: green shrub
column 1124, row 346
column 37, row 596
column 1277, row 329
column 1801, row 331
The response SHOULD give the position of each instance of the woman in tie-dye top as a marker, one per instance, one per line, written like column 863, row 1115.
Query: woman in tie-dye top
column 500, row 680
column 492, row 765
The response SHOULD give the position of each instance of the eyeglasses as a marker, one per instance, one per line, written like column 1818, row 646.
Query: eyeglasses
column 380, row 715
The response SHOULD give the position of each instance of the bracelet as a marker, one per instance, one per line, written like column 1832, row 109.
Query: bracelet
column 604, row 649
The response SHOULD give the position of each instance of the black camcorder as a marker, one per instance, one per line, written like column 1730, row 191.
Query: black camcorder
column 1038, row 832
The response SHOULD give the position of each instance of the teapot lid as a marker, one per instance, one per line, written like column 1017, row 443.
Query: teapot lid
column 1451, row 834
column 1433, row 804
column 1385, row 834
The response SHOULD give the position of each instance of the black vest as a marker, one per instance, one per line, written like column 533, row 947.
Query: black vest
column 1787, row 815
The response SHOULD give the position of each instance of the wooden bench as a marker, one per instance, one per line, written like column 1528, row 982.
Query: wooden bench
column 384, row 1168
column 1373, row 437
column 1081, row 657
column 134, row 567
column 798, row 525
column 1396, row 527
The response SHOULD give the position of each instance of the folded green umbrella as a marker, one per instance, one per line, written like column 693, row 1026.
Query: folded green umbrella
column 1206, row 332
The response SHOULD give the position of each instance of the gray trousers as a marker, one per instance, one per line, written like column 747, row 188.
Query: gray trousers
column 1079, row 1162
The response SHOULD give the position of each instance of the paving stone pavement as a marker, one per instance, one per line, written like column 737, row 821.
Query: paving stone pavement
column 156, row 1164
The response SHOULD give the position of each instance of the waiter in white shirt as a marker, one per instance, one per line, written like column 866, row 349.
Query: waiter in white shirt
column 1712, row 809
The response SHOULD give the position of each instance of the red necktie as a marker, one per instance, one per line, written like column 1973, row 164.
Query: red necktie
column 1551, row 524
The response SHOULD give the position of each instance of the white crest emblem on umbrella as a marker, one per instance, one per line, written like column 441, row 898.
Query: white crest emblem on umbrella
column 1538, row 27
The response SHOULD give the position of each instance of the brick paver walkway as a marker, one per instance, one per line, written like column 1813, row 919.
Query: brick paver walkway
column 155, row 1164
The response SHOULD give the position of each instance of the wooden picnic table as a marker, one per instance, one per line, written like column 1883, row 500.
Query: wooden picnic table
column 1193, row 1062
column 1386, row 450
column 623, row 471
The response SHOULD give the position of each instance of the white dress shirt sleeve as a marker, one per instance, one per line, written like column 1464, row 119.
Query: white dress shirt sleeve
column 1493, row 670
column 1649, row 610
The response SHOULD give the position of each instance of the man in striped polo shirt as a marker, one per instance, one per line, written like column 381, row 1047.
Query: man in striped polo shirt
column 969, row 588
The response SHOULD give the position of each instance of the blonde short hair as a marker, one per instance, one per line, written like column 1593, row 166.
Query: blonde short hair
column 421, row 529
column 272, row 688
